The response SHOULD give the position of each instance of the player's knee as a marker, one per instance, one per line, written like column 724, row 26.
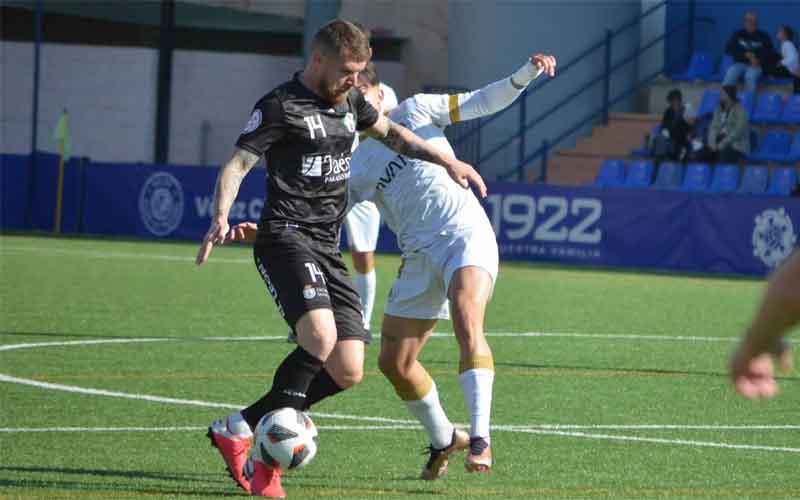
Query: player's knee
column 349, row 376
column 392, row 366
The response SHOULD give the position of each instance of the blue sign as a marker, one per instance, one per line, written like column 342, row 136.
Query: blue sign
column 666, row 230
column 645, row 229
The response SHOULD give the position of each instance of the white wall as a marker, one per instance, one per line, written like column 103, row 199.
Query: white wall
column 109, row 92
column 221, row 89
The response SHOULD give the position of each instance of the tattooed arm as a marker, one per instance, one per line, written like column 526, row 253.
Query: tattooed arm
column 403, row 141
column 228, row 182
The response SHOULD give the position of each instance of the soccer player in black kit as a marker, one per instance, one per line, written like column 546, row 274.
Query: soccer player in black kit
column 306, row 128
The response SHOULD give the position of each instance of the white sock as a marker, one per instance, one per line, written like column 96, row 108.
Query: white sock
column 237, row 425
column 430, row 413
column 365, row 286
column 477, row 387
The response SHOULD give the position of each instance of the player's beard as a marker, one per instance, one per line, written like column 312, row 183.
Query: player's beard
column 334, row 93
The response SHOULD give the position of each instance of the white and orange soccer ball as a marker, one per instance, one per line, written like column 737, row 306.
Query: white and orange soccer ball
column 285, row 439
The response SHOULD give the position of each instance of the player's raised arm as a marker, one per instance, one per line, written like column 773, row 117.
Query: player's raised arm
column 403, row 141
column 228, row 182
column 447, row 109
column 751, row 367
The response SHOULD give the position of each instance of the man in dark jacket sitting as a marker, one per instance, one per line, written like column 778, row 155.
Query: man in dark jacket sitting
column 751, row 49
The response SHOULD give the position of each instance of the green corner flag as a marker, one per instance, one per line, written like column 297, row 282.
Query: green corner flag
column 62, row 136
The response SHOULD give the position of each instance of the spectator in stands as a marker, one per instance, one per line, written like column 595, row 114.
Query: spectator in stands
column 750, row 49
column 676, row 125
column 789, row 64
column 729, row 133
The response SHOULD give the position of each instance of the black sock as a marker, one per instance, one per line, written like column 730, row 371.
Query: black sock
column 321, row 387
column 289, row 387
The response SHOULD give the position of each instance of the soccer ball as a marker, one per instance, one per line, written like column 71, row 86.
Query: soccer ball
column 286, row 439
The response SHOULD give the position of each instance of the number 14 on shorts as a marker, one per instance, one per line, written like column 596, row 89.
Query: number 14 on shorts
column 314, row 272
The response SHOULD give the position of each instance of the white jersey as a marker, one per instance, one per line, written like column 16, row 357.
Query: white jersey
column 418, row 200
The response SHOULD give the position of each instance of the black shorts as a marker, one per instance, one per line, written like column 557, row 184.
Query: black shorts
column 302, row 275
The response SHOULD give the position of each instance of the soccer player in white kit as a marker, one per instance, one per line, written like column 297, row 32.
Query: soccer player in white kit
column 450, row 259
column 362, row 224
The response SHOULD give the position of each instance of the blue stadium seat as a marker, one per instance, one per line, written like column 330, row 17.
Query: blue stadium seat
column 697, row 177
column 701, row 65
column 754, row 180
column 768, row 109
column 724, row 65
column 774, row 146
column 612, row 174
column 794, row 150
column 640, row 174
column 670, row 176
column 708, row 103
column 725, row 179
column 791, row 111
column 747, row 99
column 783, row 181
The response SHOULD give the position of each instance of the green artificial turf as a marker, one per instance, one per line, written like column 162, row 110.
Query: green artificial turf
column 593, row 351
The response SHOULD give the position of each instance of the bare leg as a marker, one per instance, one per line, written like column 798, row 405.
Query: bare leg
column 470, row 291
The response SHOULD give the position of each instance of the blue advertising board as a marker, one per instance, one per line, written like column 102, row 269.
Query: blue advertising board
column 644, row 229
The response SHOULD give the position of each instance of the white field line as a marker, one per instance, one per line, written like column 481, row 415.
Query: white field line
column 96, row 254
column 544, row 428
column 582, row 435
column 682, row 442
column 601, row 336
column 647, row 427
column 194, row 428
column 397, row 424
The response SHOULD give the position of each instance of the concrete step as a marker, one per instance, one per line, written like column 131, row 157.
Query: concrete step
column 568, row 170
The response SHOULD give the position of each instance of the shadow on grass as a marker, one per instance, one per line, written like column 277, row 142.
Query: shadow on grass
column 125, row 474
column 94, row 490
column 107, row 490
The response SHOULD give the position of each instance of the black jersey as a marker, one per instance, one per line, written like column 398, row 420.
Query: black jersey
column 307, row 145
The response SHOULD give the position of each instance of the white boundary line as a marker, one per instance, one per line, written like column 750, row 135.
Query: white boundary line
column 533, row 428
column 682, row 442
column 95, row 254
column 254, row 338
column 397, row 424
column 193, row 428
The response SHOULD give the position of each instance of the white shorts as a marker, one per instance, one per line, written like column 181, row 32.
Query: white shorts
column 420, row 290
column 363, row 223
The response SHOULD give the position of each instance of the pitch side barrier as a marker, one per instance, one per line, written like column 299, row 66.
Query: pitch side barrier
column 644, row 229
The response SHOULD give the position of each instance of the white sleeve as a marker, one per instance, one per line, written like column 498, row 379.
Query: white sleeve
column 447, row 109
column 789, row 54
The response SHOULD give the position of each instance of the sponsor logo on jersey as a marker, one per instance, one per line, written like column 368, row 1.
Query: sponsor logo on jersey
column 253, row 122
column 333, row 168
column 390, row 172
column 161, row 203
column 773, row 237
column 309, row 292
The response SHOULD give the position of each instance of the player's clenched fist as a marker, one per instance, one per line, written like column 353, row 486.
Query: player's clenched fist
column 546, row 63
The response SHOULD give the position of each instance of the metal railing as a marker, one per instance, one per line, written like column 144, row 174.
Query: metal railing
column 469, row 140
